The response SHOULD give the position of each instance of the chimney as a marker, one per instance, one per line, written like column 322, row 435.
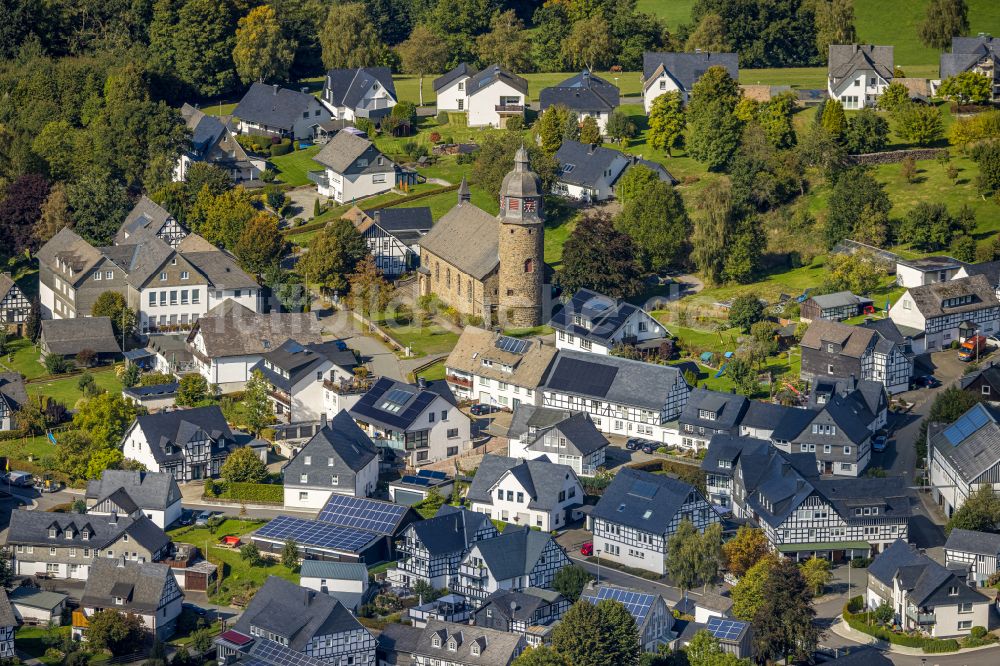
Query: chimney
column 421, row 382
column 274, row 89
column 113, row 518
column 464, row 194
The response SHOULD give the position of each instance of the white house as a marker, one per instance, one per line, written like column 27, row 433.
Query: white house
column 347, row 582
column 496, row 369
column 622, row 396
column 517, row 558
column 145, row 589
column 859, row 73
column 494, row 95
column 535, row 493
column 340, row 458
column 948, row 311
column 666, row 72
column 421, row 421
column 212, row 142
column 588, row 172
column 365, row 92
column 353, row 169
column 560, row 436
column 14, row 305
column 297, row 373
column 638, row 513
column 585, row 94
column 979, row 551
column 596, row 323
column 189, row 444
column 964, row 457
column 451, row 89
column 126, row 492
column 927, row 270
column 270, row 110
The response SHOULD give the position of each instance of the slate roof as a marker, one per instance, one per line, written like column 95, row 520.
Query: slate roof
column 728, row 409
column 542, row 480
column 375, row 406
column 585, row 164
column 460, row 70
column 168, row 432
column 68, row 337
column 6, row 284
column 929, row 298
column 342, row 442
column 846, row 59
column 12, row 390
column 577, row 428
column 148, row 490
column 334, row 570
column 520, row 606
column 497, row 648
column 295, row 613
column 140, row 260
column 728, row 447
column 513, row 553
column 931, row 264
column 990, row 374
column 476, row 344
column 839, row 299
column 647, row 502
column 218, row 266
column 853, row 340
column 34, row 597
column 231, row 329
column 921, row 577
column 482, row 80
column 451, row 530
column 145, row 219
column 343, row 150
column 273, row 106
column 301, row 361
column 977, row 445
column 468, row 238
column 969, row 541
column 686, row 68
column 966, row 52
column 615, row 379
column 32, row 527
column 7, row 617
column 889, row 332
column 205, row 129
column 408, row 225
column 67, row 246
column 766, row 415
column 140, row 584
column 400, row 640
column 347, row 87
column 991, row 269
column 655, row 167
column 582, row 92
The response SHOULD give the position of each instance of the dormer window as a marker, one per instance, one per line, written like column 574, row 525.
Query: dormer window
column 475, row 649
column 706, row 414
column 452, row 645
column 309, row 460
column 85, row 534
column 436, row 641
column 119, row 601
column 953, row 591
column 53, row 532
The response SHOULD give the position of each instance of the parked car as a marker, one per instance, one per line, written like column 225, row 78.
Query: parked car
column 972, row 348
column 879, row 442
column 20, row 479
column 203, row 517
column 186, row 517
column 48, row 486
column 480, row 409
column 928, row 381
column 649, row 447
column 633, row 443
column 587, row 549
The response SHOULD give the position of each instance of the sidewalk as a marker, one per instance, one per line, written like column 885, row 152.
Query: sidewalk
column 841, row 628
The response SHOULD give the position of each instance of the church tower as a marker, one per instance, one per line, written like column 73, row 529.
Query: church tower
column 521, row 246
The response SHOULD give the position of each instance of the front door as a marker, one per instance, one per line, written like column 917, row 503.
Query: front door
column 827, row 467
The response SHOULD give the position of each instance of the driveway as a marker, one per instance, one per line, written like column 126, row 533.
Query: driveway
column 382, row 360
column 303, row 201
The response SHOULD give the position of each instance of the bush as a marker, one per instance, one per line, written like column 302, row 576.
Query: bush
column 934, row 646
column 56, row 364
column 268, row 175
column 859, row 622
column 442, row 118
column 255, row 493
column 282, row 148
column 435, row 137
column 977, row 632
column 860, row 562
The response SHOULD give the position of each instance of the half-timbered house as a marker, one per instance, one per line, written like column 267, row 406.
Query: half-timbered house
column 144, row 589
column 638, row 513
column 393, row 236
column 707, row 413
column 949, row 311
column 146, row 219
column 532, row 613
column 984, row 383
column 558, row 435
column 979, row 551
column 13, row 396
column 964, row 457
column 719, row 463
column 8, row 623
column 520, row 557
column 833, row 307
column 133, row 493
column 832, row 349
column 14, row 305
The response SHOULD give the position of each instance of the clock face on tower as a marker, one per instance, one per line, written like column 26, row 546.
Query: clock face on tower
column 529, row 205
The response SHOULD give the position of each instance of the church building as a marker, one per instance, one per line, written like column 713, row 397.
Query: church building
column 485, row 266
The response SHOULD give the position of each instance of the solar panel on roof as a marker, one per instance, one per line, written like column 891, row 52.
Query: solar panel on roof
column 582, row 377
column 966, row 424
column 417, row 480
column 274, row 653
column 395, row 399
column 725, row 629
column 636, row 603
column 512, row 345
column 643, row 489
column 362, row 513
column 431, row 474
column 315, row 533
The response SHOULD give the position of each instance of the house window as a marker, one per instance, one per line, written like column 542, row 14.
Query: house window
column 303, row 478
column 452, row 433
column 152, row 299
column 378, row 178
column 335, row 480
column 965, row 624
column 953, row 591
column 185, row 275
column 430, row 417
column 529, row 265
column 97, row 275
column 309, row 460
column 303, row 496
column 986, row 390
column 829, row 369
column 163, row 276
column 109, row 275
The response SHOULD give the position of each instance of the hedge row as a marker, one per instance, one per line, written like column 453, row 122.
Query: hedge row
column 256, row 493
column 11, row 434
column 931, row 645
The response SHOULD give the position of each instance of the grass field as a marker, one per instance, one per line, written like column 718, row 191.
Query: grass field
column 433, row 372
column 421, row 339
column 34, row 447
column 293, row 167
column 30, row 640
column 67, row 391
column 674, row 12
column 22, row 356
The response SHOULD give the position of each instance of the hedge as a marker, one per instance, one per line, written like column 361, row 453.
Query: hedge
column 283, row 148
column 258, row 493
column 857, row 622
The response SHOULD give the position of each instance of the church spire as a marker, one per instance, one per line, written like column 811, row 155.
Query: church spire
column 464, row 194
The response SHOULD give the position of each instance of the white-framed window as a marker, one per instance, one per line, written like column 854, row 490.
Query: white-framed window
column 109, row 275
column 97, row 275
column 163, row 276
column 303, row 496
column 965, row 624
column 185, row 275
column 335, row 480
column 378, row 177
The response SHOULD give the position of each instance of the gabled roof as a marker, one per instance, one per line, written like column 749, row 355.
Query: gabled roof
column 853, row 340
column 513, row 553
column 12, row 390
column 520, row 606
column 32, row 527
column 614, row 379
column 896, row 555
column 292, row 362
column 343, row 150
column 218, row 266
column 647, row 502
column 295, row 613
column 232, row 329
column 922, row 578
column 839, row 299
column 168, row 432
column 148, row 490
column 582, row 92
column 767, row 415
column 496, row 648
column 482, row 80
column 206, row 130
column 142, row 585
column 990, row 374
column 729, row 448
column 585, row 164
column 969, row 541
column 6, row 285
column 971, row 445
column 145, row 219
column 727, row 408
column 686, row 68
column 991, row 269
column 966, row 52
column 273, row 106
column 347, row 87
column 476, row 345
column 70, row 336
column 468, row 238
column 396, row 405
column 542, row 480
column 334, row 570
column 7, row 617
column 340, row 449
column 929, row 298
column 846, row 59
column 460, row 70
column 452, row 530
column 578, row 430
column 67, row 247
column 407, row 225
column 141, row 259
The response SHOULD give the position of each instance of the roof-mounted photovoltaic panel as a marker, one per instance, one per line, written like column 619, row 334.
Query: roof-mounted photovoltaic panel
column 512, row 345
column 432, row 474
column 725, row 629
column 315, row 533
column 967, row 423
column 637, row 604
column 362, row 513
column 643, row 489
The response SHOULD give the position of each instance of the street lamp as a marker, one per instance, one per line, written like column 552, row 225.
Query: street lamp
column 598, row 552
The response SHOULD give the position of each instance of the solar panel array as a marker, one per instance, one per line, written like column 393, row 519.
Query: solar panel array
column 432, row 474
column 276, row 654
column 636, row 603
column 378, row 395
column 582, row 377
column 315, row 533
column 967, row 424
column 643, row 489
column 362, row 513
column 725, row 629
column 512, row 345
column 417, row 480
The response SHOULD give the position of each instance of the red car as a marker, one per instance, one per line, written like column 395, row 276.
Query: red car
column 587, row 549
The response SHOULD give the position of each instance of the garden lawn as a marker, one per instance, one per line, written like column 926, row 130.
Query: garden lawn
column 219, row 109
column 294, row 167
column 422, row 340
column 674, row 12
column 445, row 201
column 67, row 391
column 35, row 447
column 22, row 356
column 28, row 639
column 234, row 571
column 433, row 372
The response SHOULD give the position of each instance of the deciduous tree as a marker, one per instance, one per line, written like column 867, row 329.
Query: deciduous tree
column 745, row 311
column 105, row 418
column 333, row 254
column 259, row 244
column 944, row 19
column 919, row 124
column 590, row 133
column 743, row 551
column 570, row 581
column 258, row 410
column 506, row 43
column 666, row 121
column 98, row 205
column 113, row 305
column 589, row 43
column 709, row 35
column 979, row 513
column 262, row 52
column 541, row 655
column 599, row 257
column 192, row 389
column 244, row 466
column 658, row 224
column 619, row 127
column 816, row 573
column 894, row 97
column 349, row 39
column 54, row 214
column 750, row 592
column 20, row 210
column 867, row 132
column 115, row 631
column 967, row 88
column 855, row 192
column 370, row 291
column 597, row 634
column 783, row 623
column 987, row 158
column 422, row 53
column 834, row 24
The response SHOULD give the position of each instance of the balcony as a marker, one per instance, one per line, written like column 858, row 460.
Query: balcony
column 475, row 572
column 464, row 382
column 921, row 618
column 318, row 177
column 471, row 592
column 349, row 387
column 509, row 108
column 280, row 396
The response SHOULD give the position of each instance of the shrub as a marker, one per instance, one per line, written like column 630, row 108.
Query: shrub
column 268, row 175
column 860, row 562
column 977, row 632
column 56, row 364
column 435, row 137
column 282, row 148
column 933, row 646
column 442, row 118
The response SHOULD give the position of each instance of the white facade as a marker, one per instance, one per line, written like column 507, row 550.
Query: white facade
column 448, row 432
column 912, row 276
column 332, row 585
column 627, row 420
column 860, row 90
column 494, row 392
column 484, row 104
column 661, row 85
column 940, row 331
column 299, row 496
column 453, row 96
column 172, row 306
column 344, row 188
column 375, row 98
column 304, row 127
column 510, row 502
column 639, row 325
